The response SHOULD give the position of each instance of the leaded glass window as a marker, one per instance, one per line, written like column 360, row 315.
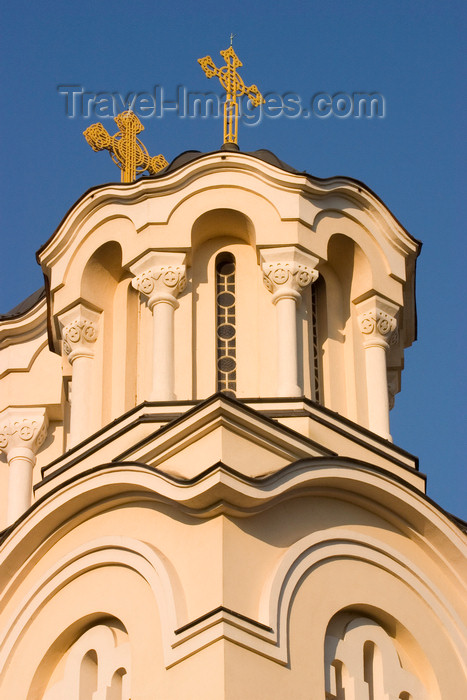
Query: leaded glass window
column 225, row 324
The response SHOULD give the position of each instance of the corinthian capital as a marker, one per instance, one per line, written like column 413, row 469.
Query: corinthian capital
column 287, row 271
column 22, row 428
column 79, row 327
column 160, row 276
column 377, row 321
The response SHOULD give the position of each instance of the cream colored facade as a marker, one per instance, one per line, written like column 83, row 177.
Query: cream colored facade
column 200, row 496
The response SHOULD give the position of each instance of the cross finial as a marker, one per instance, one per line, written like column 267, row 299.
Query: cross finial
column 234, row 87
column 125, row 148
column 232, row 36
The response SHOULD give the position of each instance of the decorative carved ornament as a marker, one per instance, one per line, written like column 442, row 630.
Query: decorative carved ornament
column 80, row 330
column 377, row 321
column 287, row 271
column 78, row 335
column 160, row 276
column 167, row 279
column 22, row 428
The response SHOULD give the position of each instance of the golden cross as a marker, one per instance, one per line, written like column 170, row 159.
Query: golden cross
column 234, row 87
column 125, row 148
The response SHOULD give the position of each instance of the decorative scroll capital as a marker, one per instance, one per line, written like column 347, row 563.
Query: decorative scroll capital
column 80, row 329
column 160, row 276
column 287, row 271
column 377, row 321
column 22, row 429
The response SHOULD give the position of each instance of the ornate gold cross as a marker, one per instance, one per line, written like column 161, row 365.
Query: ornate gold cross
column 125, row 148
column 234, row 87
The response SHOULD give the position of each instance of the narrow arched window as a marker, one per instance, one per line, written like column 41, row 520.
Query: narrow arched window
column 225, row 324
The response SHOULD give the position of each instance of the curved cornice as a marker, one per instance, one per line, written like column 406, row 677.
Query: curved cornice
column 222, row 490
column 222, row 161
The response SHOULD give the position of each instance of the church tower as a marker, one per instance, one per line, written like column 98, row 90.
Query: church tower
column 201, row 497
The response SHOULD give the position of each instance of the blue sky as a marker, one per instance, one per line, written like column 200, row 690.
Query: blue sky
column 413, row 157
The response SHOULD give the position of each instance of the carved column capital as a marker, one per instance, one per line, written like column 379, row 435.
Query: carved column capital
column 22, row 431
column 287, row 271
column 377, row 321
column 160, row 276
column 80, row 329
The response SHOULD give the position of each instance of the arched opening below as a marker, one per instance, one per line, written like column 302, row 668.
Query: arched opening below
column 371, row 656
column 88, row 675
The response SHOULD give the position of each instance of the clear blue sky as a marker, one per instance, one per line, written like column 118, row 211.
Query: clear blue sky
column 413, row 158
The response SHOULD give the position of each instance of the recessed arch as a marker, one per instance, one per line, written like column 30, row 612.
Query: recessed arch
column 222, row 222
column 362, row 652
column 102, row 273
column 338, row 544
column 140, row 558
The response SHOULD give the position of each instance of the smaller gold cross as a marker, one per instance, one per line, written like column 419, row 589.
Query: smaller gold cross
column 126, row 150
column 234, row 87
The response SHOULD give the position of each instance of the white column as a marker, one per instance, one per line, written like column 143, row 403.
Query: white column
column 22, row 432
column 79, row 327
column 161, row 277
column 377, row 323
column 286, row 273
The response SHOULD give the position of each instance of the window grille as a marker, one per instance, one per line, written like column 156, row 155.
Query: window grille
column 315, row 346
column 225, row 325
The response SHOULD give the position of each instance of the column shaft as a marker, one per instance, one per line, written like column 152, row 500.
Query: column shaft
column 21, row 465
column 377, row 322
column 80, row 395
column 80, row 330
column 287, row 272
column 163, row 351
column 377, row 390
column 287, row 358
column 22, row 432
column 161, row 277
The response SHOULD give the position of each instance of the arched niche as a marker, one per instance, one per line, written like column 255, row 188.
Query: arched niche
column 81, row 592
column 102, row 273
column 90, row 658
column 217, row 233
column 352, row 270
column 113, row 235
column 216, row 223
column 346, row 275
column 333, row 225
column 369, row 654
column 107, row 286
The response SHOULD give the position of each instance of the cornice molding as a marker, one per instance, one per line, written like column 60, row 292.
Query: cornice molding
column 177, row 180
column 216, row 491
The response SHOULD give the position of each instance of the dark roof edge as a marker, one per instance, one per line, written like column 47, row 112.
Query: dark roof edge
column 24, row 306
